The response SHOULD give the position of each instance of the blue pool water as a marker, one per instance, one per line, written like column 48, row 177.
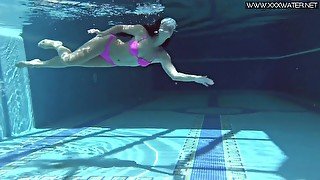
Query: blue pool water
column 259, row 121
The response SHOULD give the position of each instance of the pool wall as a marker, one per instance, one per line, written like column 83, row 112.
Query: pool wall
column 16, row 114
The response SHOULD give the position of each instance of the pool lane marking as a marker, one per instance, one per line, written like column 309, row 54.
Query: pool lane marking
column 232, row 155
column 186, row 157
column 233, row 161
column 209, row 160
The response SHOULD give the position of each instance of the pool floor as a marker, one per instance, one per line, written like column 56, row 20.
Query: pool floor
column 209, row 135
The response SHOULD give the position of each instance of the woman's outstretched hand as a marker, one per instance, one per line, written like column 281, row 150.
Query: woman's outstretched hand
column 204, row 80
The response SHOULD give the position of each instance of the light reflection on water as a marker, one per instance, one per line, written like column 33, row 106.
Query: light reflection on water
column 98, row 151
column 17, row 13
column 76, row 10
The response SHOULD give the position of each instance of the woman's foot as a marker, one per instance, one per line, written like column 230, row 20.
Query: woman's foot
column 21, row 64
column 32, row 63
column 49, row 44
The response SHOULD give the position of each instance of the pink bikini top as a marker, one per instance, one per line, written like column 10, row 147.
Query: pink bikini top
column 134, row 45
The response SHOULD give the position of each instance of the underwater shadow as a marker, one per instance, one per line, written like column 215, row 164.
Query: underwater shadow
column 75, row 164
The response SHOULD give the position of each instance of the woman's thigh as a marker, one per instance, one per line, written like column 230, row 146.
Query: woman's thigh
column 96, row 62
column 87, row 51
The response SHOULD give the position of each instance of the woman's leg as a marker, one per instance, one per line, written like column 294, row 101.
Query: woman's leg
column 89, row 50
column 55, row 62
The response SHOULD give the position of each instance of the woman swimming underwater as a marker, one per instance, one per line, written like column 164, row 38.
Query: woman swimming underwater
column 106, row 50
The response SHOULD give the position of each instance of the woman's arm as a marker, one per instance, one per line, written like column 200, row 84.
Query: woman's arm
column 168, row 67
column 134, row 30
